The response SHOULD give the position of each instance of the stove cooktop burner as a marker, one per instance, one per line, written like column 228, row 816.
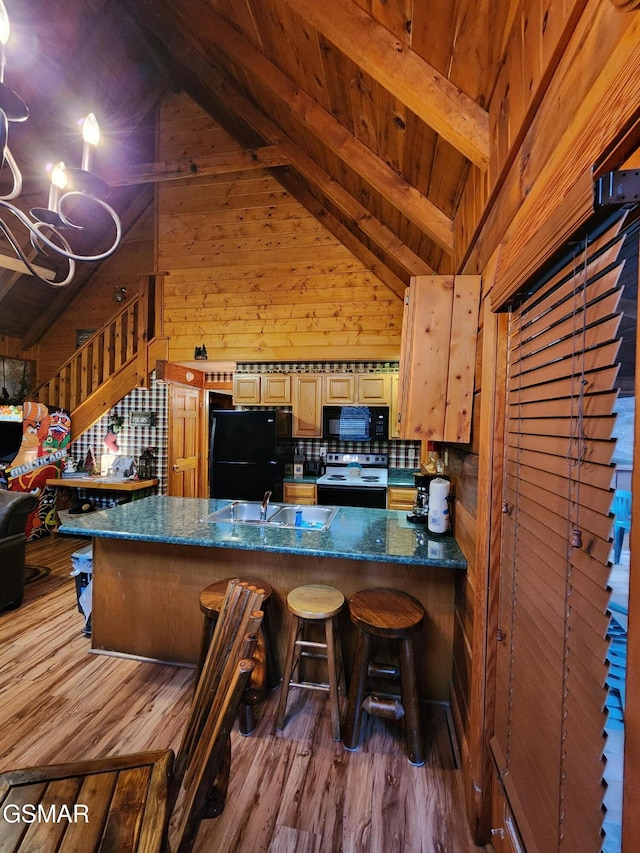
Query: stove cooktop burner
column 341, row 473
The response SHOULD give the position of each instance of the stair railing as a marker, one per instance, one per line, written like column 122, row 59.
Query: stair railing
column 121, row 343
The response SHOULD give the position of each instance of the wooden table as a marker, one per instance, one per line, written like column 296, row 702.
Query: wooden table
column 131, row 488
column 102, row 483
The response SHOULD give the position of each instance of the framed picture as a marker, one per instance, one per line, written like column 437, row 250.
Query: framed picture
column 82, row 336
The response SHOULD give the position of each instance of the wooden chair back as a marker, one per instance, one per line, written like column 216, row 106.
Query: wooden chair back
column 199, row 786
column 148, row 801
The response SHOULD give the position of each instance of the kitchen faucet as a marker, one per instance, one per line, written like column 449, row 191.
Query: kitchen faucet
column 265, row 505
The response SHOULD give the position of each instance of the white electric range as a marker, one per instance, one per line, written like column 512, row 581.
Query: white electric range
column 354, row 479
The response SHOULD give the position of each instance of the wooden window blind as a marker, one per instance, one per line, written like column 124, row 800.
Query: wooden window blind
column 552, row 641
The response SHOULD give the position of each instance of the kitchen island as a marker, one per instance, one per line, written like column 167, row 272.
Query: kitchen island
column 153, row 557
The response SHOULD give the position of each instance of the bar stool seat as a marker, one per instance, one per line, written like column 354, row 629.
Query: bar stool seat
column 308, row 604
column 396, row 616
column 265, row 675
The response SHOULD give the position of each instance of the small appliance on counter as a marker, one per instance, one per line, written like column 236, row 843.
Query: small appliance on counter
column 314, row 467
column 420, row 511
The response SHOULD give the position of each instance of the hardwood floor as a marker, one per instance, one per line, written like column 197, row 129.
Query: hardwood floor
column 293, row 792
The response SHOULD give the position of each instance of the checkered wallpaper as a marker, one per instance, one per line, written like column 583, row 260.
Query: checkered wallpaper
column 319, row 367
column 131, row 440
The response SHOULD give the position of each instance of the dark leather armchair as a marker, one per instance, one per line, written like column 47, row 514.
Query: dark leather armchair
column 14, row 511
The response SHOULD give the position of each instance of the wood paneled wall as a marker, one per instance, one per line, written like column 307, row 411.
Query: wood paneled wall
column 94, row 304
column 568, row 87
column 252, row 274
column 12, row 348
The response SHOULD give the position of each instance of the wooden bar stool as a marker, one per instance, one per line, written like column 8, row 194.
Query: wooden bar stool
column 265, row 674
column 392, row 615
column 308, row 604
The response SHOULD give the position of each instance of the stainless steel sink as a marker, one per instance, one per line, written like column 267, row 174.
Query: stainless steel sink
column 242, row 512
column 308, row 517
column 278, row 515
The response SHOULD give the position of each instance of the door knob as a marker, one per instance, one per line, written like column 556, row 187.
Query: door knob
column 176, row 467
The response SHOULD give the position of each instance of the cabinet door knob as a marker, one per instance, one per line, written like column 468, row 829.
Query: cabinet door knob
column 176, row 467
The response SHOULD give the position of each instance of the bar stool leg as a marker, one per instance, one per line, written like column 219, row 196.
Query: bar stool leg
column 288, row 669
column 273, row 675
column 351, row 733
column 408, row 689
column 329, row 629
column 342, row 684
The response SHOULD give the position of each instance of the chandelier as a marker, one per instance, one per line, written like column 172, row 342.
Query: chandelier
column 75, row 194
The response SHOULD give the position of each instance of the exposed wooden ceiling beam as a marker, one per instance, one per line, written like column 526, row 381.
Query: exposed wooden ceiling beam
column 413, row 81
column 212, row 164
column 209, row 30
column 250, row 126
column 362, row 220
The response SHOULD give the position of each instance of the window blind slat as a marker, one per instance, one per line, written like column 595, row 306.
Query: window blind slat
column 540, row 334
column 562, row 387
column 552, row 665
column 563, row 348
column 595, row 358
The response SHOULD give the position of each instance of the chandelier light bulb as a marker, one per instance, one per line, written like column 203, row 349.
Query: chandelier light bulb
column 91, row 137
column 5, row 29
column 58, row 182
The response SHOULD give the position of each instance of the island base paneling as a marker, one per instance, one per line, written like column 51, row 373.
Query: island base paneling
column 146, row 599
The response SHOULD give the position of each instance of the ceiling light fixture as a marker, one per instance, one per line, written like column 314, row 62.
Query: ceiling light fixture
column 74, row 192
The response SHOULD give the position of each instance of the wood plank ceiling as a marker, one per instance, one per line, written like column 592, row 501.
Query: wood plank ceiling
column 378, row 108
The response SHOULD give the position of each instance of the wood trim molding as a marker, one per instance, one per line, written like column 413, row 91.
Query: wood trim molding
column 167, row 371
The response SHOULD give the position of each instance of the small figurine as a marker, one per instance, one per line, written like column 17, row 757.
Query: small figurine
column 200, row 353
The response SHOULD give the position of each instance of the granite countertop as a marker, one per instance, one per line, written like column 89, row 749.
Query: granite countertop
column 378, row 535
column 402, row 477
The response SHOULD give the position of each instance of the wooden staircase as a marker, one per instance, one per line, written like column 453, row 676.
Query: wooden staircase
column 109, row 365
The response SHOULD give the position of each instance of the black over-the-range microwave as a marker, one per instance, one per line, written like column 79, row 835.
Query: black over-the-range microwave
column 355, row 423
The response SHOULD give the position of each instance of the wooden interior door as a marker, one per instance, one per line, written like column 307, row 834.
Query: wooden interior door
column 184, row 440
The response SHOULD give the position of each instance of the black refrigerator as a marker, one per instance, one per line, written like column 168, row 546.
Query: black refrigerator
column 243, row 462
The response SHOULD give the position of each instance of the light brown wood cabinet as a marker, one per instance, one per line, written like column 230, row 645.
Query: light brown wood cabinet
column 300, row 493
column 339, row 389
column 437, row 358
column 343, row 389
column 400, row 497
column 275, row 388
column 261, row 389
column 306, row 399
column 374, row 388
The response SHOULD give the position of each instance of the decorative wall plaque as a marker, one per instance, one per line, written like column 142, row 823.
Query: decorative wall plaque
column 142, row 419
